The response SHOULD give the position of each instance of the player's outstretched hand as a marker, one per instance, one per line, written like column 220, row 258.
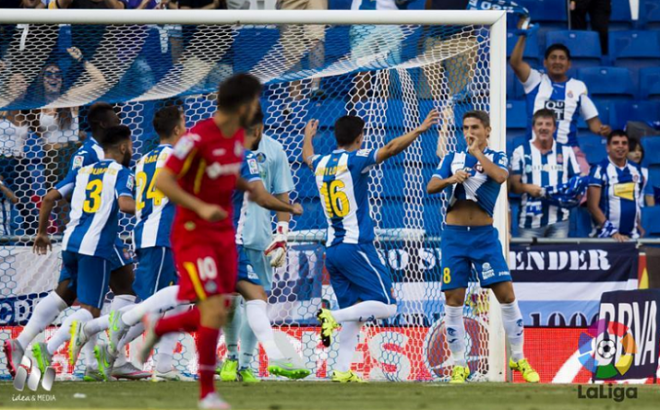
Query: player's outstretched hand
column 211, row 213
column 460, row 176
column 432, row 118
column 311, row 128
column 42, row 244
column 297, row 209
column 473, row 149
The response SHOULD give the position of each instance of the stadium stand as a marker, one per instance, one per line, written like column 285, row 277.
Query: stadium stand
column 608, row 83
column 649, row 83
column 584, row 46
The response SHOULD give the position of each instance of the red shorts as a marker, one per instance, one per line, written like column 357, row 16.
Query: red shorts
column 205, row 267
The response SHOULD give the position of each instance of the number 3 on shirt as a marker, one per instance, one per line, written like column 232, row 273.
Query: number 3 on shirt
column 335, row 199
column 151, row 193
column 93, row 201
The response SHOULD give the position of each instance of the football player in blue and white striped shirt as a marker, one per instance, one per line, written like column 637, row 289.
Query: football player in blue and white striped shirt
column 359, row 279
column 98, row 192
column 616, row 192
column 536, row 164
column 470, row 242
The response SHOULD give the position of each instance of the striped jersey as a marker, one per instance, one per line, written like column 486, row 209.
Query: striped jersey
column 276, row 176
column 249, row 172
column 154, row 211
column 94, row 218
column 479, row 187
column 621, row 195
column 373, row 5
column 567, row 100
column 89, row 153
column 554, row 167
column 5, row 215
column 342, row 180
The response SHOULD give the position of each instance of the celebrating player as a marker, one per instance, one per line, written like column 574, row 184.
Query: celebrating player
column 469, row 241
column 99, row 191
column 101, row 117
column 200, row 177
column 262, row 249
column 358, row 277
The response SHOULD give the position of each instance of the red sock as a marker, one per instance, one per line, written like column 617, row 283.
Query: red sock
column 183, row 322
column 207, row 342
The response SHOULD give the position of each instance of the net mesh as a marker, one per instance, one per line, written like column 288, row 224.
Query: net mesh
column 391, row 76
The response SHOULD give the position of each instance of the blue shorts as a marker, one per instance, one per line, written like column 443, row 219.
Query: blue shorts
column 261, row 266
column 467, row 247
column 120, row 258
column 156, row 270
column 90, row 275
column 357, row 274
column 245, row 270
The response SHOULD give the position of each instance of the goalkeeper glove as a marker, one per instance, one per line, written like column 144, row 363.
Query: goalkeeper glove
column 607, row 230
column 276, row 251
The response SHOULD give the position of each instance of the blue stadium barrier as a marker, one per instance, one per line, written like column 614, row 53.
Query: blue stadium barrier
column 432, row 216
column 579, row 223
column 620, row 18
column 516, row 114
column 393, row 215
column 651, row 148
column 613, row 83
column 393, row 181
column 305, row 182
column 584, row 46
column 313, row 217
column 650, row 216
column 649, row 82
column 637, row 111
column 594, row 147
column 514, row 206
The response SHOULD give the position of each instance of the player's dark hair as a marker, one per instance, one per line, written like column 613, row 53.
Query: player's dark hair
column 165, row 120
column 544, row 113
column 480, row 115
column 555, row 47
column 617, row 133
column 98, row 113
column 347, row 129
column 237, row 90
column 115, row 136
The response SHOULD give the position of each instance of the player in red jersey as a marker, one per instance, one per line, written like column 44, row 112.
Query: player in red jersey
column 199, row 177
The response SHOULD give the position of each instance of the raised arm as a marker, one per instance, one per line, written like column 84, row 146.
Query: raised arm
column 42, row 243
column 399, row 144
column 597, row 127
column 308, row 147
column 265, row 200
column 437, row 184
column 520, row 67
column 496, row 172
column 126, row 204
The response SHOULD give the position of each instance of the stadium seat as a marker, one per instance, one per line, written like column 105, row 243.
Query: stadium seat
column 651, row 148
column 649, row 83
column 518, row 141
column 651, row 14
column 339, row 4
column 635, row 50
column 549, row 12
column 637, row 111
column 604, row 113
column 516, row 115
column 654, row 175
column 532, row 53
column 613, row 83
column 432, row 217
column 393, row 181
column 392, row 215
column 313, row 217
column 584, row 46
column 650, row 218
column 594, row 147
column 305, row 182
column 620, row 18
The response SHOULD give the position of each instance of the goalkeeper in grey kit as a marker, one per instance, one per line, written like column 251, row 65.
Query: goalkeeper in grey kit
column 264, row 250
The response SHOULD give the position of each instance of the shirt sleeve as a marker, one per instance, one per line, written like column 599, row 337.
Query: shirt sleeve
column 444, row 168
column 533, row 81
column 65, row 186
column 250, row 169
column 588, row 109
column 500, row 159
column 596, row 176
column 125, row 183
column 517, row 161
column 364, row 160
column 183, row 155
column 282, row 177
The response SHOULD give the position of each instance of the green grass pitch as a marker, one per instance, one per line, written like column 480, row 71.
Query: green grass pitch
column 323, row 396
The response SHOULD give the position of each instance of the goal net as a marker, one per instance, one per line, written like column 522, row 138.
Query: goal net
column 391, row 75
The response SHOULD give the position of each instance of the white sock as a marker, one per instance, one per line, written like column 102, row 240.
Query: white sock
column 233, row 328
column 63, row 334
column 257, row 318
column 97, row 325
column 43, row 315
column 88, row 353
column 514, row 329
column 248, row 344
column 348, row 340
column 455, row 333
column 160, row 301
column 163, row 357
column 121, row 301
column 365, row 312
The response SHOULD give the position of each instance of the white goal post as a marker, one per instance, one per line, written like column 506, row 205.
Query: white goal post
column 495, row 98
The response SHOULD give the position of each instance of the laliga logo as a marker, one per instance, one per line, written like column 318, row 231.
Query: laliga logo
column 598, row 350
column 29, row 373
